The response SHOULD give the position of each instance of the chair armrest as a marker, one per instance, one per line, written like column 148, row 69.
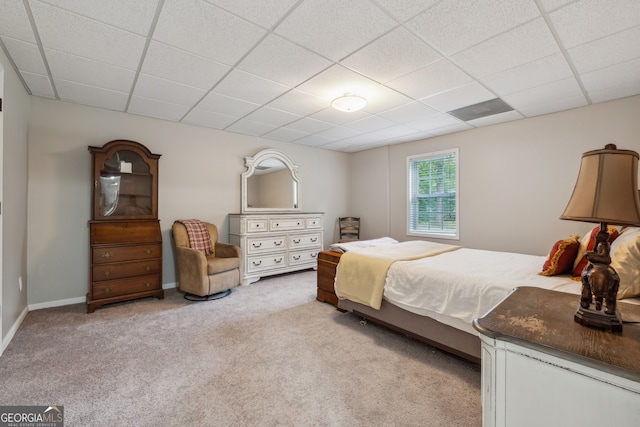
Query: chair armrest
column 191, row 262
column 227, row 250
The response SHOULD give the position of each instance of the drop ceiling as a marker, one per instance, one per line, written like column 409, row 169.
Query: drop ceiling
column 270, row 68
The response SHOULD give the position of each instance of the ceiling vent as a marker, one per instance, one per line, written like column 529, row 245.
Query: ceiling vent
column 481, row 109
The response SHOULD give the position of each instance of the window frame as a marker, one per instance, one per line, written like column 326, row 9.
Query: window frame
column 454, row 235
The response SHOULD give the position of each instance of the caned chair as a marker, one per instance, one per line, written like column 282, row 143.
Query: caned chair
column 349, row 228
column 204, row 274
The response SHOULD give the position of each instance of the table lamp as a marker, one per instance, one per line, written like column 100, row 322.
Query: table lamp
column 606, row 192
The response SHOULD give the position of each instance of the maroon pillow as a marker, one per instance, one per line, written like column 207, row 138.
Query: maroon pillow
column 561, row 257
column 582, row 262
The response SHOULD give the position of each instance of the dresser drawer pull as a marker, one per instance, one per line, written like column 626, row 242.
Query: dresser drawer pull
column 107, row 273
column 314, row 239
column 107, row 255
column 279, row 243
column 296, row 241
column 147, row 267
column 126, row 225
column 106, row 290
column 277, row 261
column 256, row 245
column 296, row 257
column 298, row 223
column 148, row 251
column 256, row 263
column 314, row 255
column 148, row 284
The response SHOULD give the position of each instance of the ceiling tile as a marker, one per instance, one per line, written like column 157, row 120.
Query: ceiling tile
column 588, row 20
column 38, row 84
column 554, row 106
column 282, row 61
column 337, row 81
column 607, row 51
column 516, row 47
column 157, row 109
column 337, row 117
column 495, row 119
column 408, row 112
column 615, row 92
column 309, row 125
column 370, row 123
column 403, row 10
column 392, row 55
column 526, row 76
column 25, row 55
column 14, row 22
column 296, row 101
column 90, row 95
column 562, row 89
column 454, row 25
column 222, row 104
column 285, row 134
column 620, row 74
column 435, row 121
column 550, row 5
column 272, row 116
column 206, row 30
column 249, row 127
column 85, row 71
column 165, row 90
column 248, row 87
column 339, row 132
column 434, row 78
column 445, row 130
column 183, row 67
column 462, row 96
column 314, row 140
column 67, row 32
column 135, row 16
column 208, row 119
column 266, row 16
column 335, row 28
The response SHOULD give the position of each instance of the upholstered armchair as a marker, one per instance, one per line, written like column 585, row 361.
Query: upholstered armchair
column 205, row 277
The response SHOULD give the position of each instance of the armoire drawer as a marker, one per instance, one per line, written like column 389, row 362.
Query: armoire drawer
column 104, row 254
column 122, row 232
column 113, row 288
column 125, row 269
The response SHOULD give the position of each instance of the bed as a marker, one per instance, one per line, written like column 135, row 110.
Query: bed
column 434, row 291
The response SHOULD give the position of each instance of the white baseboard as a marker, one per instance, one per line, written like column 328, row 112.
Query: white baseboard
column 7, row 339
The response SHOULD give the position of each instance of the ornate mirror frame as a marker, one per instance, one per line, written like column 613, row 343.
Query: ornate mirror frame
column 252, row 163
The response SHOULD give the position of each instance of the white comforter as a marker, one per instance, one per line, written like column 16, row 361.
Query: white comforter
column 457, row 287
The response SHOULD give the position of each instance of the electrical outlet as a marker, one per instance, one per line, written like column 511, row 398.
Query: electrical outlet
column 20, row 283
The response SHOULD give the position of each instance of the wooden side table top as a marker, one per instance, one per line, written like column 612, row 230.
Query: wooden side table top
column 543, row 320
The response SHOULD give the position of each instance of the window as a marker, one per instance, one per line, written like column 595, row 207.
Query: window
column 433, row 194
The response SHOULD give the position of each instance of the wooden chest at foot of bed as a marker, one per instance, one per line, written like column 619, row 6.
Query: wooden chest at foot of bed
column 327, row 263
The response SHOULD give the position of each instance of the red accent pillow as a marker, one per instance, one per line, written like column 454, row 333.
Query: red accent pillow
column 582, row 262
column 562, row 256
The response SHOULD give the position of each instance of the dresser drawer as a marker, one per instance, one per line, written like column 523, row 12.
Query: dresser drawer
column 277, row 224
column 303, row 240
column 257, row 245
column 103, row 254
column 113, row 288
column 125, row 269
column 122, row 232
column 304, row 257
column 257, row 225
column 314, row 222
column 266, row 262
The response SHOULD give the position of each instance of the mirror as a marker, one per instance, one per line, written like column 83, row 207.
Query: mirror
column 270, row 183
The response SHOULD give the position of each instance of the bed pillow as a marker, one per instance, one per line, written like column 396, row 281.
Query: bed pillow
column 625, row 259
column 562, row 256
column 587, row 243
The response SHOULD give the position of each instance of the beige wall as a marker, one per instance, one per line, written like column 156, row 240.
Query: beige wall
column 199, row 177
column 515, row 178
column 13, row 175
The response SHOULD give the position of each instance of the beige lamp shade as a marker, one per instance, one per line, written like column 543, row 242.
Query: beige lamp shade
column 607, row 188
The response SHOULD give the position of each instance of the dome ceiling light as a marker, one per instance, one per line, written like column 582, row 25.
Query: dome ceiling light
column 349, row 103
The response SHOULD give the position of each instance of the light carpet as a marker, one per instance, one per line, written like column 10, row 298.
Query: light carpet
column 267, row 355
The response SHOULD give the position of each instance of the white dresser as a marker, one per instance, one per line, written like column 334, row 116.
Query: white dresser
column 540, row 368
column 275, row 243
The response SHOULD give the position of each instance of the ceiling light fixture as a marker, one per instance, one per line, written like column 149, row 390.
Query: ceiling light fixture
column 349, row 103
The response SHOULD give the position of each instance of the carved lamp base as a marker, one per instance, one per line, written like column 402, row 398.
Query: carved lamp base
column 598, row 319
